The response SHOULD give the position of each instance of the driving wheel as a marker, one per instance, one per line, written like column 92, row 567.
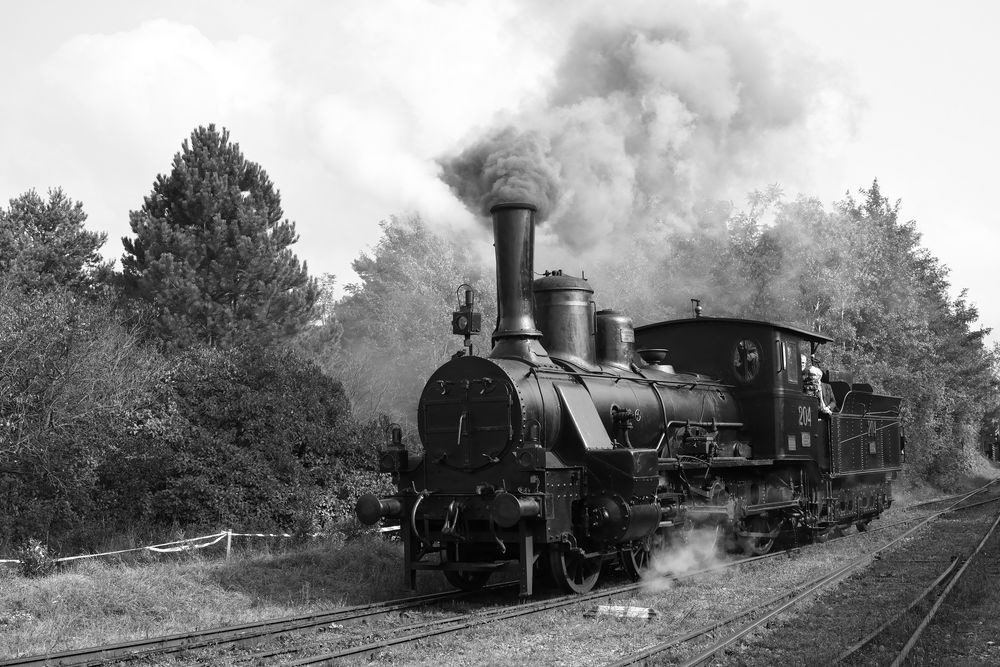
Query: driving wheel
column 635, row 558
column 764, row 531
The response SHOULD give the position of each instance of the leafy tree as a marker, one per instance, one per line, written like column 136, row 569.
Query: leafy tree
column 324, row 332
column 71, row 376
column 43, row 244
column 859, row 274
column 212, row 253
column 245, row 437
column 397, row 320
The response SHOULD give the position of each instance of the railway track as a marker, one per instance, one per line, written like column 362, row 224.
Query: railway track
column 264, row 630
column 243, row 633
column 326, row 650
column 894, row 632
column 424, row 630
column 764, row 612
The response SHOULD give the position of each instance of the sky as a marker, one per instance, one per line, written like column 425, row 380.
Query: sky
column 352, row 107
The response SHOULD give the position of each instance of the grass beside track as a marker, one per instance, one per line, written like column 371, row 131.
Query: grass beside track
column 99, row 602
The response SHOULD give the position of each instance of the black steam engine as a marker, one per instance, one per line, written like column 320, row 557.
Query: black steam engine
column 581, row 441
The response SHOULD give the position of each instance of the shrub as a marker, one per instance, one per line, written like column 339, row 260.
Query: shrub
column 36, row 560
column 247, row 438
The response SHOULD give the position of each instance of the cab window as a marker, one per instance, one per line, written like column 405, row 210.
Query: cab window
column 746, row 359
column 793, row 363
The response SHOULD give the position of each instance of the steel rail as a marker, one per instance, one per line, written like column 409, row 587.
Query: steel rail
column 144, row 648
column 811, row 587
column 941, row 598
column 867, row 639
column 940, row 500
column 706, row 629
column 827, row 580
column 472, row 620
column 903, row 522
column 135, row 649
column 457, row 623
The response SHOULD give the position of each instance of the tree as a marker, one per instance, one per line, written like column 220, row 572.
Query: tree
column 211, row 250
column 71, row 379
column 43, row 244
column 245, row 437
column 396, row 322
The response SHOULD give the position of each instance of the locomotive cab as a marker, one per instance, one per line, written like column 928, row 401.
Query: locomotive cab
column 826, row 470
column 760, row 361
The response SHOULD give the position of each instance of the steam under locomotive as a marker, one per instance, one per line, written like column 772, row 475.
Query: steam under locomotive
column 581, row 440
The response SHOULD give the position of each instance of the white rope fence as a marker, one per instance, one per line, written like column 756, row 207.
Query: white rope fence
column 189, row 544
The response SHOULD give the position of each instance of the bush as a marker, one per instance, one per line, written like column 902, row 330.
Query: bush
column 248, row 438
column 36, row 560
column 70, row 375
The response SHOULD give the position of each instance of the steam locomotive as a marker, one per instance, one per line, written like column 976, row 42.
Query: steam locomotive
column 582, row 441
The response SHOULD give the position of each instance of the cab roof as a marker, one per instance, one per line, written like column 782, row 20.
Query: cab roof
column 810, row 336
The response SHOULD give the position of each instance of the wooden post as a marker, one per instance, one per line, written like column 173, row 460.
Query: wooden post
column 229, row 542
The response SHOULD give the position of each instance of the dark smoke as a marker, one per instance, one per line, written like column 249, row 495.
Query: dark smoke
column 505, row 166
column 655, row 112
column 658, row 119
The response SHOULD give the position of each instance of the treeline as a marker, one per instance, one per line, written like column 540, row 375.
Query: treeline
column 179, row 392
column 213, row 382
column 855, row 271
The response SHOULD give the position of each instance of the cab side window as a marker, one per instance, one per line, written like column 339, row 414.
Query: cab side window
column 793, row 363
column 746, row 360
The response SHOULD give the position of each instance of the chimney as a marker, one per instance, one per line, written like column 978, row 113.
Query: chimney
column 514, row 239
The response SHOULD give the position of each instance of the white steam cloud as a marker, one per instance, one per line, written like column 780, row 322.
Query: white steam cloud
column 655, row 110
column 699, row 551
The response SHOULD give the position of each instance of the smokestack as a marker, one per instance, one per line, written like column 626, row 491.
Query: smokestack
column 514, row 239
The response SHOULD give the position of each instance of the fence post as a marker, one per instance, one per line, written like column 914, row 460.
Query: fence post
column 229, row 542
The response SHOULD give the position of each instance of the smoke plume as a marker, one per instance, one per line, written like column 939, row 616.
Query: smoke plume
column 505, row 166
column 655, row 112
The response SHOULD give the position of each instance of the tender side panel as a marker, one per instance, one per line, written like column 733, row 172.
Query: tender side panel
column 865, row 435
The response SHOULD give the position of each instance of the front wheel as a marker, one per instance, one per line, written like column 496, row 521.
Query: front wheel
column 466, row 580
column 573, row 572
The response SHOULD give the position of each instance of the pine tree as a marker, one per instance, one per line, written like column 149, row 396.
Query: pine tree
column 211, row 250
column 43, row 244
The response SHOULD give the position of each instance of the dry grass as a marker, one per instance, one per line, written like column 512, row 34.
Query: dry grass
column 92, row 602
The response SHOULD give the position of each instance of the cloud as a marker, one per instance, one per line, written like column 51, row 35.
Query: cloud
column 164, row 69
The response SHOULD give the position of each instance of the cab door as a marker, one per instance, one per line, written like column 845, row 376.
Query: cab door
column 802, row 432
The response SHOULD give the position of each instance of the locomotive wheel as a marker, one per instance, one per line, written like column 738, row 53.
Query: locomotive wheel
column 466, row 580
column 573, row 573
column 635, row 558
column 758, row 546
